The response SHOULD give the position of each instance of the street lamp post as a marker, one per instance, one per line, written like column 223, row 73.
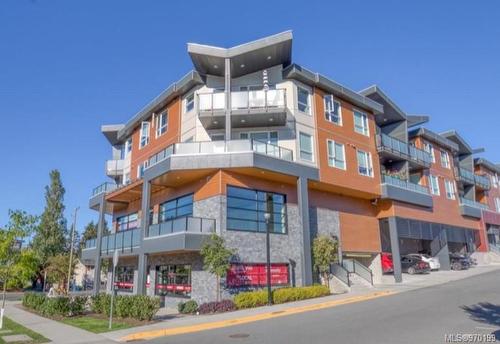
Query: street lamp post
column 267, row 217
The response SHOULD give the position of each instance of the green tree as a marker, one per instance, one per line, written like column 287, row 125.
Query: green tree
column 324, row 253
column 216, row 258
column 50, row 238
column 90, row 232
column 57, row 270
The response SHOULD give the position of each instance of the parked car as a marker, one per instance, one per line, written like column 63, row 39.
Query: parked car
column 387, row 265
column 433, row 261
column 413, row 265
column 459, row 262
column 473, row 261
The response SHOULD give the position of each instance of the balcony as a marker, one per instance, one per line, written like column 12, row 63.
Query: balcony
column 103, row 188
column 482, row 182
column 248, row 109
column 217, row 147
column 390, row 148
column 184, row 233
column 405, row 191
column 124, row 241
column 465, row 176
column 471, row 208
column 114, row 168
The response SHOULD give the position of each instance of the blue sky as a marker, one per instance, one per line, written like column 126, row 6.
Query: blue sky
column 66, row 67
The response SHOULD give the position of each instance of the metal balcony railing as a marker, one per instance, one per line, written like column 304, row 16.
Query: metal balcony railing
column 240, row 100
column 482, row 181
column 114, row 167
column 404, row 184
column 182, row 224
column 471, row 203
column 214, row 147
column 466, row 175
column 91, row 243
column 122, row 241
column 391, row 144
column 103, row 188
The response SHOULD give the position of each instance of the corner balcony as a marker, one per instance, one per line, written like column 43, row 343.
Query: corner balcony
column 465, row 176
column 126, row 242
column 262, row 108
column 390, row 148
column 405, row 191
column 471, row 208
column 114, row 168
column 181, row 234
column 482, row 182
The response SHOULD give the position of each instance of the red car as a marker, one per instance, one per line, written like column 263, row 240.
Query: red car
column 387, row 265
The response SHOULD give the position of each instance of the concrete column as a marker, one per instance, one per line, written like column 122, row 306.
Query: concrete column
column 140, row 276
column 440, row 243
column 303, row 204
column 396, row 257
column 152, row 280
column 100, row 230
column 140, row 282
column 227, row 83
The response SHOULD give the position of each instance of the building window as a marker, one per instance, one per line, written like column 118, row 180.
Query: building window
column 251, row 275
column 124, row 280
column 161, row 123
column 144, row 134
column 190, row 102
column 306, row 147
column 365, row 167
column 430, row 149
column 141, row 168
column 262, row 136
column 434, row 183
column 361, row 123
column 333, row 112
column 126, row 222
column 126, row 179
column 445, row 159
column 173, row 280
column 494, row 180
column 217, row 137
column 303, row 100
column 178, row 207
column 450, row 189
column 336, row 154
column 497, row 204
column 128, row 146
column 246, row 209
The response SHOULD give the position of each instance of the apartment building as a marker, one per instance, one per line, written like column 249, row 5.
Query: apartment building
column 250, row 141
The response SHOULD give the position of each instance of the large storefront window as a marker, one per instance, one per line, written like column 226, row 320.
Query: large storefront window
column 173, row 280
column 243, row 275
column 246, row 209
column 178, row 207
column 124, row 280
column 126, row 222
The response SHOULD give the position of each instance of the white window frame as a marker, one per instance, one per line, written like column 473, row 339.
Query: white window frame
column 368, row 161
column 128, row 147
column 437, row 191
column 449, row 187
column 365, row 130
column 212, row 136
column 249, row 133
column 187, row 103
column 445, row 159
column 429, row 148
column 497, row 204
column 311, row 138
column 144, row 134
column 494, row 180
column 160, row 130
column 308, row 105
column 333, row 157
column 328, row 112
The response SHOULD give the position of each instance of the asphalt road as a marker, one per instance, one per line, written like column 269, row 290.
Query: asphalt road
column 469, row 306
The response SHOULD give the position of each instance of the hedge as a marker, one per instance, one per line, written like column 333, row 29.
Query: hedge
column 189, row 307
column 282, row 295
column 139, row 307
column 217, row 307
column 55, row 306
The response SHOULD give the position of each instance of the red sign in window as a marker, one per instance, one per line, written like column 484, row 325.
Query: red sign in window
column 255, row 275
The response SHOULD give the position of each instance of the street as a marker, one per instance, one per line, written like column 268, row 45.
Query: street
column 427, row 315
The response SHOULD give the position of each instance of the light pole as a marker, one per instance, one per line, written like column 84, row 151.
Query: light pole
column 71, row 250
column 267, row 217
column 115, row 263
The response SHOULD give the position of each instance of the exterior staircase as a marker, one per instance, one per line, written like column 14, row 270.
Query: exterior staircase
column 358, row 283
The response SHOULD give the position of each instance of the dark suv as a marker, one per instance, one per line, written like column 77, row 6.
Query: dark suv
column 459, row 262
column 414, row 265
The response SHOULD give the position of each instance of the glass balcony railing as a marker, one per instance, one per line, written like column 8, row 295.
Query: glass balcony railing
column 404, row 184
column 182, row 224
column 214, row 147
column 407, row 151
column 243, row 100
column 482, row 181
column 91, row 243
column 466, row 175
column 103, row 188
column 471, row 203
column 122, row 241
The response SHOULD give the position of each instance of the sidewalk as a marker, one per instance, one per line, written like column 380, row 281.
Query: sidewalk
column 57, row 332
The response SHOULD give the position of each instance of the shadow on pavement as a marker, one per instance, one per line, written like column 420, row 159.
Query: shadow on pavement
column 486, row 313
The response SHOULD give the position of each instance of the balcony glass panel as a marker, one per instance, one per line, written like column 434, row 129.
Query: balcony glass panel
column 472, row 203
column 404, row 184
column 183, row 224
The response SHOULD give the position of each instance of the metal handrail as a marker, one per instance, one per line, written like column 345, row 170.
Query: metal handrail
column 182, row 224
column 363, row 271
column 405, row 184
column 474, row 204
column 466, row 175
column 409, row 152
column 103, row 188
column 121, row 240
column 341, row 273
column 482, row 181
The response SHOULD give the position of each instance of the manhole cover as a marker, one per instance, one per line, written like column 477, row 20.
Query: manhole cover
column 239, row 335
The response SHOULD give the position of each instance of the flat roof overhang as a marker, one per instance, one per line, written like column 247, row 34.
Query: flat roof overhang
column 111, row 131
column 392, row 113
column 245, row 58
column 487, row 164
column 463, row 147
column 432, row 136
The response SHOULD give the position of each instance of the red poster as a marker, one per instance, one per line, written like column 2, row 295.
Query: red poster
column 255, row 275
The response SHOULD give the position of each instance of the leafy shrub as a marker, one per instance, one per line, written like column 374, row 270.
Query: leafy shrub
column 100, row 303
column 144, row 307
column 251, row 299
column 217, row 307
column 77, row 305
column 282, row 295
column 188, row 307
column 139, row 307
column 56, row 306
column 33, row 301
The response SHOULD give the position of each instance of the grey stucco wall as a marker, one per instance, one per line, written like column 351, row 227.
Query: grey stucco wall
column 323, row 221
